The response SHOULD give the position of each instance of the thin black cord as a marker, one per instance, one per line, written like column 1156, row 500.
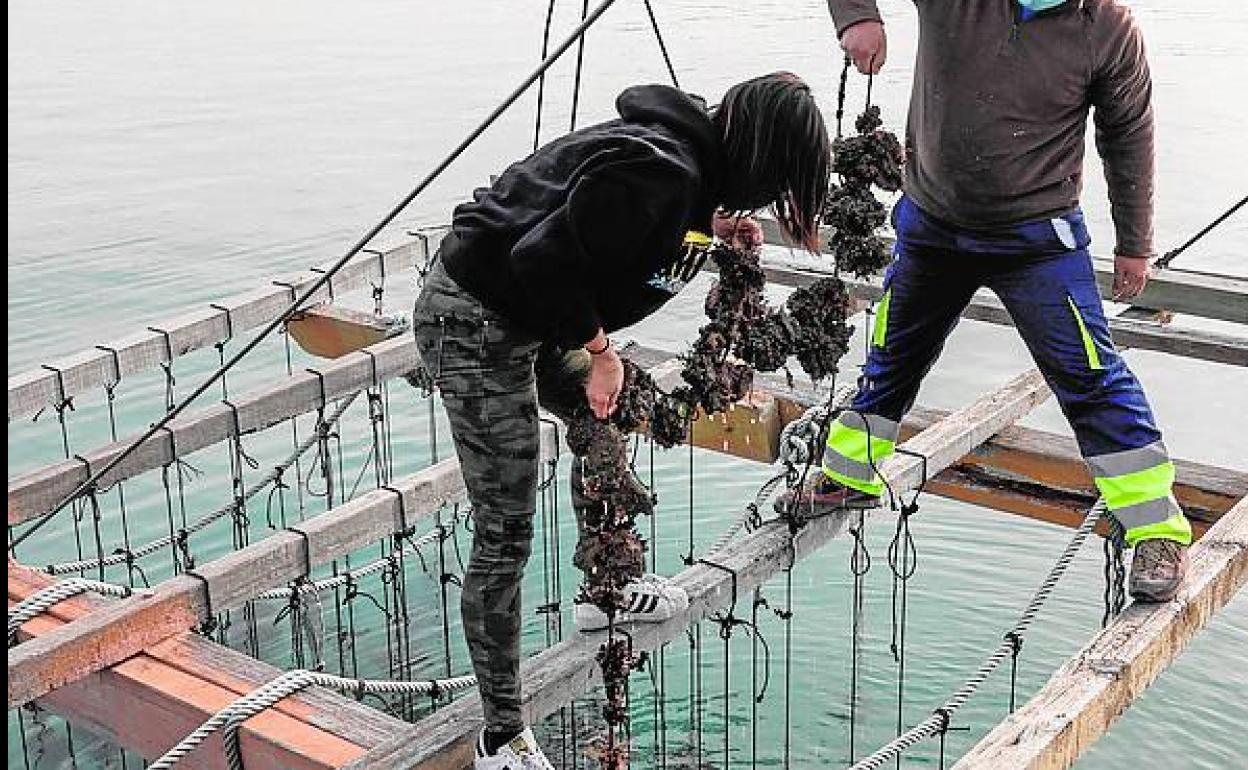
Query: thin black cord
column 658, row 35
column 541, row 81
column 1170, row 255
column 517, row 92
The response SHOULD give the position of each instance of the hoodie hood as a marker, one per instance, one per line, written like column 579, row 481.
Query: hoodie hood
column 681, row 112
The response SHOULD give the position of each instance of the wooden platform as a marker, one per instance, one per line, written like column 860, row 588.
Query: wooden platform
column 131, row 670
column 150, row 701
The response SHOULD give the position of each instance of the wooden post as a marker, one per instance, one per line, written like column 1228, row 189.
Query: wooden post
column 1102, row 680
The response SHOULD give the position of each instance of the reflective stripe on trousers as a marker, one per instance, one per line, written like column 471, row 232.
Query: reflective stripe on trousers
column 857, row 444
column 1137, row 487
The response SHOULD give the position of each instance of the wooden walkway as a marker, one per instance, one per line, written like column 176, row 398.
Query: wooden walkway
column 88, row 654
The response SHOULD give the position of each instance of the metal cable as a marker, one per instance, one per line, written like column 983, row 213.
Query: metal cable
column 938, row 722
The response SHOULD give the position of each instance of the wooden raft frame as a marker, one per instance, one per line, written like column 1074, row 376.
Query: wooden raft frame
column 1019, row 470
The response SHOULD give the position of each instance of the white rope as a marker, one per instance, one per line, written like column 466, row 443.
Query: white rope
column 231, row 718
column 45, row 598
column 938, row 722
column 341, row 579
column 123, row 557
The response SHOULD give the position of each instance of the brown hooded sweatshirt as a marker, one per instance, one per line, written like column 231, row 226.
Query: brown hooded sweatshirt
column 999, row 108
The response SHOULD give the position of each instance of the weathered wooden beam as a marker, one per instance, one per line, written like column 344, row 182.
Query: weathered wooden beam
column 128, row 626
column 1127, row 331
column 1221, row 297
column 1088, row 694
column 553, row 677
column 1049, row 467
column 38, row 388
column 1020, row 470
column 170, row 688
column 39, row 491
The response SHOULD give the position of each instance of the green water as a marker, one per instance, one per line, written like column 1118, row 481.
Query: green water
column 163, row 157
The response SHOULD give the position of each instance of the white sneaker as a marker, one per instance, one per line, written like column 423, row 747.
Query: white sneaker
column 520, row 753
column 651, row 599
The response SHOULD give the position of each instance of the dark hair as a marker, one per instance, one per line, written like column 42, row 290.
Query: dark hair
column 777, row 152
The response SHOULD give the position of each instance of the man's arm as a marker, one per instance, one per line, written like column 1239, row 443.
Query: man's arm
column 861, row 32
column 1123, row 115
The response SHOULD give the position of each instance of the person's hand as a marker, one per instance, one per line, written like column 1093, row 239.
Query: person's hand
column 740, row 232
column 606, row 377
column 1130, row 276
column 866, row 45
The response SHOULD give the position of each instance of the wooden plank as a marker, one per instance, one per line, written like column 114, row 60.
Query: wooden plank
column 553, row 677
column 218, row 666
column 1051, row 465
column 128, row 626
column 38, row 388
column 1127, row 331
column 1004, row 472
column 1090, row 692
column 162, row 704
column 101, row 639
column 329, row 331
column 39, row 491
column 1220, row 297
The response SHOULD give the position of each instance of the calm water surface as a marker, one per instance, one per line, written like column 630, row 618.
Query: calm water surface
column 166, row 155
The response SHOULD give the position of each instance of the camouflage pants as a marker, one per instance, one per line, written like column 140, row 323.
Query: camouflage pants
column 491, row 376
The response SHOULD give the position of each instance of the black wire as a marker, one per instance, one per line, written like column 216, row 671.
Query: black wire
column 541, row 81
column 517, row 92
column 1165, row 261
column 580, row 63
column 654, row 23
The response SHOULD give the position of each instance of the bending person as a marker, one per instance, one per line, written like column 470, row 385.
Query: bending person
column 591, row 233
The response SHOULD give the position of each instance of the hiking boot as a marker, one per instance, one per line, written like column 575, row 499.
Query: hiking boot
column 650, row 599
column 1157, row 569
column 821, row 496
column 519, row 753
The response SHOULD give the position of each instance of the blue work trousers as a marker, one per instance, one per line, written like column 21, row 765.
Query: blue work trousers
column 1042, row 272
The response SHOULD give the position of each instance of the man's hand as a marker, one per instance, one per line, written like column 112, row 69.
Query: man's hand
column 606, row 376
column 1130, row 276
column 866, row 44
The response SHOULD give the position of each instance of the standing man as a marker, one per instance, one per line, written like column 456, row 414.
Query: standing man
column 994, row 163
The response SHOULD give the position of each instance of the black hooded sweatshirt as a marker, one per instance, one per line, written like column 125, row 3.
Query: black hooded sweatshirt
column 589, row 231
